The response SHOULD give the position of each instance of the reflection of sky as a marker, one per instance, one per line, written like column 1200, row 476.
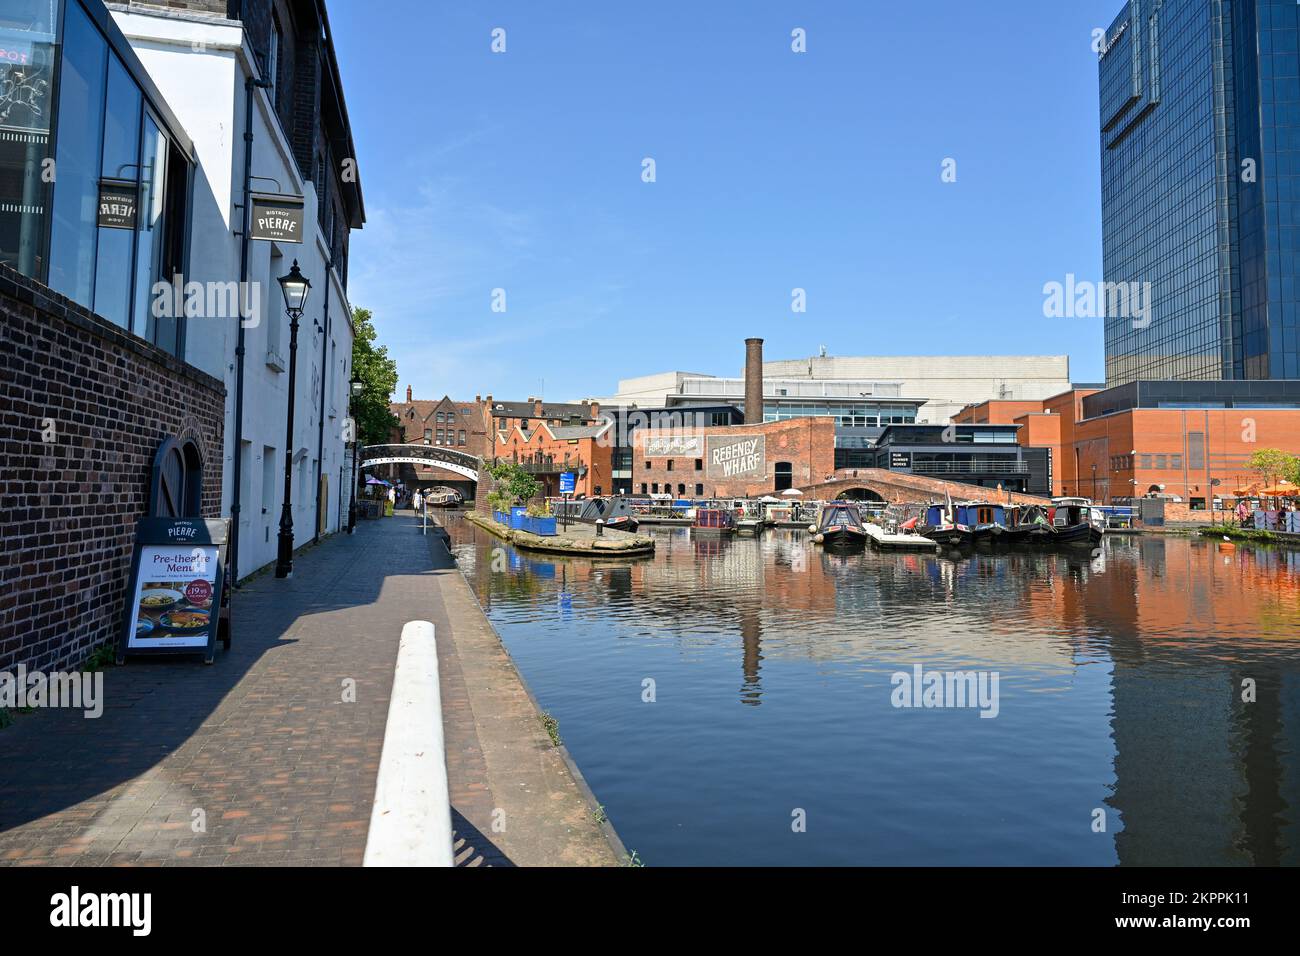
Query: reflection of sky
column 1116, row 681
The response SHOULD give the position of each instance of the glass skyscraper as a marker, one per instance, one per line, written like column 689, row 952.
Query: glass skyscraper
column 1200, row 148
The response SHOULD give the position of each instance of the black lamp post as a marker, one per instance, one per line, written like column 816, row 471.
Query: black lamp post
column 295, row 287
column 356, row 387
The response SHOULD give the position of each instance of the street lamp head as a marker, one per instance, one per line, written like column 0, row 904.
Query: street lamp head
column 295, row 287
column 357, row 386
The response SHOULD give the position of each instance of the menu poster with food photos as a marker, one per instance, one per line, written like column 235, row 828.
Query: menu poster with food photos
column 176, row 580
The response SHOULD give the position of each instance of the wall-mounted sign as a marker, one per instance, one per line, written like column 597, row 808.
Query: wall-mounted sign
column 175, row 595
column 277, row 218
column 730, row 458
column 900, row 459
column 117, row 201
column 670, row 445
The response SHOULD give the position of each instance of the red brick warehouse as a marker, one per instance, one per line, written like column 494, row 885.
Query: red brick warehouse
column 734, row 460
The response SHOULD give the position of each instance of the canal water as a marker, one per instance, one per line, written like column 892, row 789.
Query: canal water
column 735, row 702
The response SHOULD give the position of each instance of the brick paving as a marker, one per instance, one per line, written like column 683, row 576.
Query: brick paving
column 264, row 745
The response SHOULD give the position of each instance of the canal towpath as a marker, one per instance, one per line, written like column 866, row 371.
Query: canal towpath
column 269, row 756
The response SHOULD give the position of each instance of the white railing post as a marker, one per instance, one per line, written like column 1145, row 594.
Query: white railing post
column 410, row 823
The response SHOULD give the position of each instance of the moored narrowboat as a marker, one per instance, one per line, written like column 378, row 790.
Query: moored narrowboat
column 840, row 523
column 938, row 525
column 713, row 522
column 1076, row 521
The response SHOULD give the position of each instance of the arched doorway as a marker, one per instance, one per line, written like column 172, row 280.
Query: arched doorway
column 176, row 480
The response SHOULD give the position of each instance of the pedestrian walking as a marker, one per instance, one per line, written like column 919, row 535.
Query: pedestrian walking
column 417, row 501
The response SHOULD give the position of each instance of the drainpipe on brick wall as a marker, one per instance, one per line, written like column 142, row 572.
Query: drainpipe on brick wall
column 236, row 502
column 324, row 377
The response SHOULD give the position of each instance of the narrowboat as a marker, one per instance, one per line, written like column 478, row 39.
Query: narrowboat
column 441, row 497
column 1076, row 521
column 749, row 516
column 988, row 522
column 938, row 526
column 713, row 523
column 615, row 511
column 840, row 523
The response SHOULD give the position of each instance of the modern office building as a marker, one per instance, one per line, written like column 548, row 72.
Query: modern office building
column 988, row 455
column 862, row 392
column 1189, row 441
column 1200, row 167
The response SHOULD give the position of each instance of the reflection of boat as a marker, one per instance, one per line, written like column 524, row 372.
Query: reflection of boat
column 713, row 522
column 840, row 523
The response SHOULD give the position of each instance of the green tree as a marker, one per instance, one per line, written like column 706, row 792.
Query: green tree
column 1274, row 464
column 514, row 484
column 370, row 362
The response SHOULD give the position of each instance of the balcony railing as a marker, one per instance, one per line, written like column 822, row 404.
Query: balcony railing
column 547, row 465
column 976, row 467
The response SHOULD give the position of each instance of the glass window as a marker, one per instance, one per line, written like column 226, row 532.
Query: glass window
column 26, row 84
column 120, row 169
column 76, row 193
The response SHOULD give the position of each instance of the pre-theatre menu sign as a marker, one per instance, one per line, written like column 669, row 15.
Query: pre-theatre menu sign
column 730, row 458
column 176, row 583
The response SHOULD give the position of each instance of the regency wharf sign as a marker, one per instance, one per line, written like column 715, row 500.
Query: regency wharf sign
column 729, row 457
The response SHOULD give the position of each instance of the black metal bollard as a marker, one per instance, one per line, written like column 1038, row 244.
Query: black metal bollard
column 600, row 527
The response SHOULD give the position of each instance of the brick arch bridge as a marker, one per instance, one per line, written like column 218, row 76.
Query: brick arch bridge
column 899, row 487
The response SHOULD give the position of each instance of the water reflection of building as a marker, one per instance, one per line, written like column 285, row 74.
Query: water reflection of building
column 1203, row 778
column 1199, row 777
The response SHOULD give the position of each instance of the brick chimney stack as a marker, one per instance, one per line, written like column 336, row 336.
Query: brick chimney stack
column 753, row 381
column 408, row 395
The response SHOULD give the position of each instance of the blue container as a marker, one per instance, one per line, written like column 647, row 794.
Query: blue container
column 501, row 518
column 542, row 526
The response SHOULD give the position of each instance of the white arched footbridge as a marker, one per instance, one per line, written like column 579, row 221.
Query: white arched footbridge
column 462, row 463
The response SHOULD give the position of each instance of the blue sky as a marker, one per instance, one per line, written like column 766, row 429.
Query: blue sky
column 775, row 170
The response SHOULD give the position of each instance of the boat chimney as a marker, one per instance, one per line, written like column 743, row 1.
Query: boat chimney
column 753, row 381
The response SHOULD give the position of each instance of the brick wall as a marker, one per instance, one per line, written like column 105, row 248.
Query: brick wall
column 808, row 444
column 68, row 506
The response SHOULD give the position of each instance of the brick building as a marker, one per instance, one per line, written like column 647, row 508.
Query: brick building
column 1169, row 438
column 733, row 461
column 442, row 422
column 548, row 450
column 500, row 416
column 1047, row 423
column 87, row 407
